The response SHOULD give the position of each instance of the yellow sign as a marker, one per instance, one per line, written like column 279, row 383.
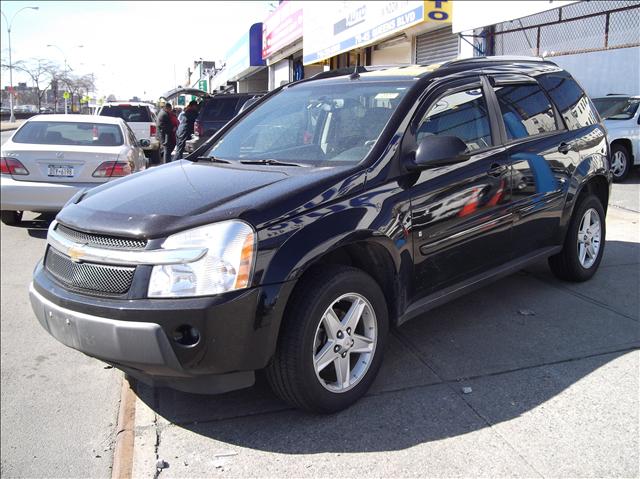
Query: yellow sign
column 66, row 95
column 437, row 11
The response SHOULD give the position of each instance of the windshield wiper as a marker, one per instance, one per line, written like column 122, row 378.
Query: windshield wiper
column 268, row 162
column 212, row 159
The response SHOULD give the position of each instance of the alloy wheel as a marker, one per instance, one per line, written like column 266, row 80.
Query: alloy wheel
column 589, row 237
column 345, row 342
column 618, row 163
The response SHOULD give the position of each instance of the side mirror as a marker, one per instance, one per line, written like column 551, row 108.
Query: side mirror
column 144, row 143
column 439, row 150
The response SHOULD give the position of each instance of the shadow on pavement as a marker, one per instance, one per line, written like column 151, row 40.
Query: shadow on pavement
column 520, row 342
column 37, row 227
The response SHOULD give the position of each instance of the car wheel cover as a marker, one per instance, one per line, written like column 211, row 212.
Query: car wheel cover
column 618, row 163
column 345, row 342
column 589, row 238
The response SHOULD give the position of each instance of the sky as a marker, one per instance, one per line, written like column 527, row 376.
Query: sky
column 133, row 48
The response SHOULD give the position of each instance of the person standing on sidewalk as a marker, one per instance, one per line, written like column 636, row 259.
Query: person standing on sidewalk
column 185, row 130
column 165, row 127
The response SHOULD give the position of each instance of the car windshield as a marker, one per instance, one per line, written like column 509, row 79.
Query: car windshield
column 129, row 113
column 313, row 124
column 617, row 108
column 69, row 133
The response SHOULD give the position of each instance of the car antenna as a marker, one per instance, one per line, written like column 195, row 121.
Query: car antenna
column 355, row 75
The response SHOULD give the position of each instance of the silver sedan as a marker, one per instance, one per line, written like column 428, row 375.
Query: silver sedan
column 52, row 157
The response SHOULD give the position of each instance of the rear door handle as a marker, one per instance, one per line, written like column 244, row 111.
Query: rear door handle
column 496, row 170
column 564, row 148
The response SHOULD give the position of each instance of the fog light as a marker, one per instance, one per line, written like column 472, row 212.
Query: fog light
column 186, row 335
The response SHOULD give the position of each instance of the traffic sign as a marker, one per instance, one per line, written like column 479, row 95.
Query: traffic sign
column 66, row 95
column 202, row 85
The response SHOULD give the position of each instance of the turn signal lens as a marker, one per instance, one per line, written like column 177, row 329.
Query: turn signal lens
column 246, row 262
column 112, row 169
column 11, row 166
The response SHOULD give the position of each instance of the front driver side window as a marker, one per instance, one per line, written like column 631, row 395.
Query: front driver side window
column 463, row 114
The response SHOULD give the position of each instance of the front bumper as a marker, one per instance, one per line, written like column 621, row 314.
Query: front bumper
column 238, row 333
column 37, row 196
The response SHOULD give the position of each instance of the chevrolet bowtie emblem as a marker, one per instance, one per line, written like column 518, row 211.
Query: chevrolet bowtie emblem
column 75, row 253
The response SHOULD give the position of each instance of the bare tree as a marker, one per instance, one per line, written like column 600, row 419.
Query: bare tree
column 41, row 72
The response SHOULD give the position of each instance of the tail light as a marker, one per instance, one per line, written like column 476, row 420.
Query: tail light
column 152, row 130
column 112, row 169
column 197, row 127
column 11, row 166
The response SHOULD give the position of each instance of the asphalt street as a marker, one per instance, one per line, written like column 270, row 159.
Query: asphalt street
column 553, row 368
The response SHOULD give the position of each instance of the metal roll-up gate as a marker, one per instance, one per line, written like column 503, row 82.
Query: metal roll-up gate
column 436, row 46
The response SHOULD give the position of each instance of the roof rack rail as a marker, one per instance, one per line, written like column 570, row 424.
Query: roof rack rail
column 495, row 58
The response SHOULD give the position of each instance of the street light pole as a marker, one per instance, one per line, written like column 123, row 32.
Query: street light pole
column 12, row 118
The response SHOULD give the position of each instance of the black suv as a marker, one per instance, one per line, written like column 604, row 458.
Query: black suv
column 328, row 211
column 215, row 112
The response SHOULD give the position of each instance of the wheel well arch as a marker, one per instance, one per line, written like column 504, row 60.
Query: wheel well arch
column 372, row 258
column 626, row 142
column 597, row 185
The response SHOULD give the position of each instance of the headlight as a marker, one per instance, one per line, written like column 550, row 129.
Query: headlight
column 226, row 266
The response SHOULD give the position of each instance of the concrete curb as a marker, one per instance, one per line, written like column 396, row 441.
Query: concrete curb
column 125, row 434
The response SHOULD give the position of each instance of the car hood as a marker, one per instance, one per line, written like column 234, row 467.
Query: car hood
column 184, row 194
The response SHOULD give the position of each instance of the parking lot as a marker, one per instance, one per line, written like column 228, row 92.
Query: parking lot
column 527, row 377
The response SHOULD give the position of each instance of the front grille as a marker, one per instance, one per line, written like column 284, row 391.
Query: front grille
column 100, row 241
column 93, row 277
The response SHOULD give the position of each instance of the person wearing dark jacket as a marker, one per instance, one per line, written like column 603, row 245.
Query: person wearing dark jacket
column 185, row 129
column 165, row 129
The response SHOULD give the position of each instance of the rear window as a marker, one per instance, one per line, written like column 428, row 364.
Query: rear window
column 68, row 133
column 219, row 109
column 573, row 104
column 129, row 113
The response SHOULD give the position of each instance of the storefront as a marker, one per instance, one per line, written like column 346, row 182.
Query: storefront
column 597, row 42
column 282, row 45
column 379, row 33
column 245, row 70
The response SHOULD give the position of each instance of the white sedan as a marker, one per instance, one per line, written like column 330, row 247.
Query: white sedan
column 52, row 157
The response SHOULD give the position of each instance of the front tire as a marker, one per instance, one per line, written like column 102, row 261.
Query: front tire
column 620, row 162
column 11, row 218
column 331, row 345
column 584, row 245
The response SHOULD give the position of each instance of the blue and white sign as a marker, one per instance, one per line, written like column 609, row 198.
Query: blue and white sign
column 353, row 24
column 245, row 56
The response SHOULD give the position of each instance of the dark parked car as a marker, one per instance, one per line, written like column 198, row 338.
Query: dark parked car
column 215, row 112
column 332, row 209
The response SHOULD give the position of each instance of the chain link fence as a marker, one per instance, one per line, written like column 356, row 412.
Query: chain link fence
column 577, row 28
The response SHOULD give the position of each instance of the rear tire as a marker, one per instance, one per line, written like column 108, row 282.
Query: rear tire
column 584, row 244
column 620, row 162
column 11, row 218
column 332, row 339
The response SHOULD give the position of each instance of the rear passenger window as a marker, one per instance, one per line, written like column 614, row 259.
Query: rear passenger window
column 526, row 110
column 572, row 103
column 462, row 114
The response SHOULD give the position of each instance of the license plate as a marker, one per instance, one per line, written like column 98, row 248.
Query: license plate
column 61, row 170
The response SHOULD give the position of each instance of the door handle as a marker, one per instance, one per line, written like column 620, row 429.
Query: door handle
column 496, row 170
column 564, row 148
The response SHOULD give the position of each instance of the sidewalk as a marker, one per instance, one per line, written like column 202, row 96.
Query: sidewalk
column 553, row 367
column 6, row 126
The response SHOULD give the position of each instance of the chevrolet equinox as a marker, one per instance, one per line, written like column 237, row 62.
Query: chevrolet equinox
column 330, row 210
